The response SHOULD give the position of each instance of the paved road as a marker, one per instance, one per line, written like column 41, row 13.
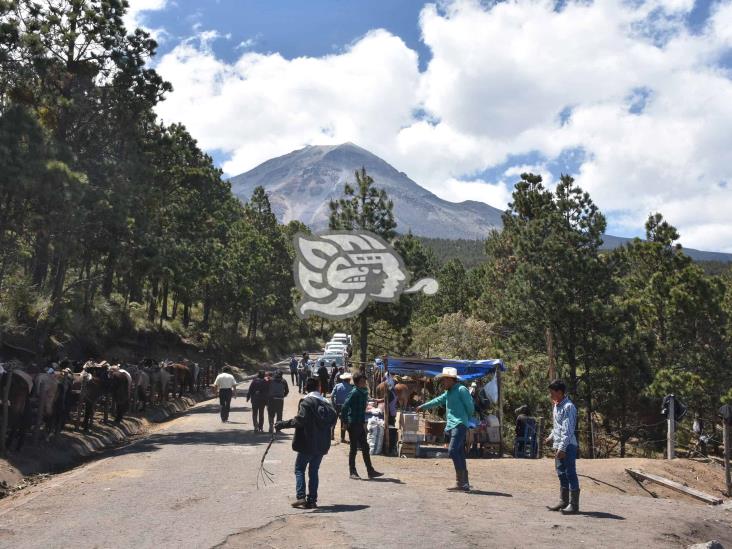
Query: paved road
column 192, row 484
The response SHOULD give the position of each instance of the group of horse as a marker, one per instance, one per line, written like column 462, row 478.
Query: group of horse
column 43, row 399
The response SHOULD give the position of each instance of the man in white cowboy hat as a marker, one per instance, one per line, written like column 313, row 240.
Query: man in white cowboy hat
column 338, row 397
column 459, row 404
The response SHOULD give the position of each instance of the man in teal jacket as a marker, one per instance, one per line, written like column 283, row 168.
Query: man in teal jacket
column 354, row 414
column 459, row 404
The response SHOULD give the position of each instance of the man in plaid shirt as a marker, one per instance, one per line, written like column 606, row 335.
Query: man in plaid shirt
column 565, row 444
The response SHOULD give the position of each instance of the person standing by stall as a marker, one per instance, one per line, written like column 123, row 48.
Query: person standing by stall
column 564, row 443
column 354, row 414
column 459, row 405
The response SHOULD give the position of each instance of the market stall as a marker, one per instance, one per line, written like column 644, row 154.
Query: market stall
column 417, row 433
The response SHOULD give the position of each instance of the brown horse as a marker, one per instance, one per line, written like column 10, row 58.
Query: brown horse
column 181, row 376
column 21, row 384
column 404, row 392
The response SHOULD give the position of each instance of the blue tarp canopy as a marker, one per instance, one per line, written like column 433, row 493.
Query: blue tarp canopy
column 430, row 367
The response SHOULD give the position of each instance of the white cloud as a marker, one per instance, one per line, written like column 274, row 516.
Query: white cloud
column 498, row 79
column 135, row 16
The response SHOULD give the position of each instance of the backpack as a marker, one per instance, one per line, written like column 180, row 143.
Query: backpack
column 277, row 389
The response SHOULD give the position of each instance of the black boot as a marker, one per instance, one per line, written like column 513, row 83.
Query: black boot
column 563, row 500
column 354, row 475
column 458, row 482
column 466, row 483
column 573, row 507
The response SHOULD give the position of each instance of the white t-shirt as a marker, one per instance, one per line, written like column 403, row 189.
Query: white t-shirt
column 225, row 381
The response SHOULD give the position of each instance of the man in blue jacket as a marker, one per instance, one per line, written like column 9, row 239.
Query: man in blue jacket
column 460, row 409
column 338, row 397
column 313, row 424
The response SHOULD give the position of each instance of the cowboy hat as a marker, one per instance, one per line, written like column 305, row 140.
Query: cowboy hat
column 346, row 376
column 448, row 372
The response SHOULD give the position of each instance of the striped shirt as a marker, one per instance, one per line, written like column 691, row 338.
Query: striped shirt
column 565, row 422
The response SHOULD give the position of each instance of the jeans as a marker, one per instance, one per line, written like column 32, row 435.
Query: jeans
column 301, row 462
column 258, row 413
column 225, row 402
column 274, row 408
column 357, row 436
column 567, row 470
column 456, row 450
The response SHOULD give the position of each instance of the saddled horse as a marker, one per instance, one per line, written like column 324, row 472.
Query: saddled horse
column 140, row 386
column 159, row 379
column 405, row 391
column 181, row 377
column 100, row 381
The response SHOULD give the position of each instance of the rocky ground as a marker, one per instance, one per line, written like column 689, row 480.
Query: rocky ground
column 192, row 483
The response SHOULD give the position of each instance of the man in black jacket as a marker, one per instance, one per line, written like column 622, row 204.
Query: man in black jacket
column 258, row 393
column 278, row 390
column 313, row 424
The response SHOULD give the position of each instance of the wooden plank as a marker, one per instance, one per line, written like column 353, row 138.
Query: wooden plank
column 706, row 498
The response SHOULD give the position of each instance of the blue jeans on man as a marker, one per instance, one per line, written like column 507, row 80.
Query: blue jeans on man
column 312, row 463
column 567, row 469
column 456, row 449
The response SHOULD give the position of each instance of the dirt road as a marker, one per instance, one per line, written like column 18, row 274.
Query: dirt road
column 192, row 484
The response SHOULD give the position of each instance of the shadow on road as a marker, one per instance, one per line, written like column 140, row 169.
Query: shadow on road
column 386, row 479
column 340, row 508
column 600, row 515
column 485, row 493
column 213, row 408
column 598, row 481
column 222, row 437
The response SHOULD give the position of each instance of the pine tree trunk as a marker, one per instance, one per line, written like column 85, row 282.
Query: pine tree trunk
column 164, row 308
column 186, row 314
column 40, row 259
column 364, row 338
column 152, row 304
column 175, row 307
column 108, row 282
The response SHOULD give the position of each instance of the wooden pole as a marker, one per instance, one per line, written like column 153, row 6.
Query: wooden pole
column 726, row 428
column 6, row 411
column 540, row 439
column 500, row 411
column 671, row 422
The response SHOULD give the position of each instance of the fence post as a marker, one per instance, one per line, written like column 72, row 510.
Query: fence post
column 540, row 439
column 6, row 410
column 671, row 421
column 726, row 428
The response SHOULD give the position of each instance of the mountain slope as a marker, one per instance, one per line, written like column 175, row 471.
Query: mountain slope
column 302, row 183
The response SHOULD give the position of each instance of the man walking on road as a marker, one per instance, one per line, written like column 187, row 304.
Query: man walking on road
column 302, row 373
column 258, row 394
column 459, row 405
column 565, row 445
column 278, row 390
column 226, row 387
column 313, row 423
column 323, row 377
column 338, row 397
column 354, row 414
column 293, row 370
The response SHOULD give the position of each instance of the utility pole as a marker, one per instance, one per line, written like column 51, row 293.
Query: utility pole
column 726, row 413
column 671, row 434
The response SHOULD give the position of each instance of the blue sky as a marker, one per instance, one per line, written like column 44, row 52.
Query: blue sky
column 632, row 98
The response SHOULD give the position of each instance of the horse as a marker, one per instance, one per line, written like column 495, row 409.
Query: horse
column 405, row 391
column 100, row 381
column 181, row 376
column 21, row 385
column 140, row 386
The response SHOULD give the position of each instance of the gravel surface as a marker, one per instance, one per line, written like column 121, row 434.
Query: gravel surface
column 192, row 483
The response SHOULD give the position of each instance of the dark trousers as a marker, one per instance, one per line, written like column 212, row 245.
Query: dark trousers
column 312, row 463
column 258, row 407
column 567, row 469
column 274, row 407
column 338, row 408
column 301, row 379
column 324, row 385
column 225, row 403
column 357, row 436
column 293, row 377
